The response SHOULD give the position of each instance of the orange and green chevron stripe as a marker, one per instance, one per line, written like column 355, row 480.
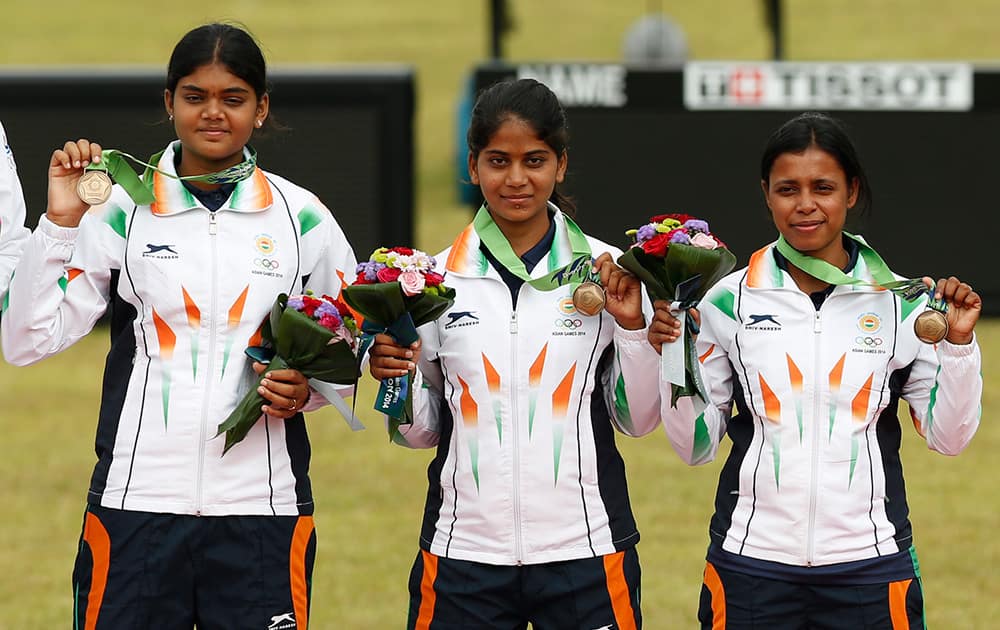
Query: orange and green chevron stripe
column 493, row 382
column 167, row 340
column 534, row 380
column 859, row 412
column 560, row 406
column 235, row 315
column 772, row 411
column 470, row 419
column 836, row 376
column 194, row 323
column 795, row 380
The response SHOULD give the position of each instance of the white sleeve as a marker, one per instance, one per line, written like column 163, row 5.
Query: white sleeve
column 696, row 436
column 428, row 394
column 13, row 234
column 631, row 386
column 945, row 391
column 60, row 286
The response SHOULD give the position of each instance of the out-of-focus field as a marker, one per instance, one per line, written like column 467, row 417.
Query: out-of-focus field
column 370, row 494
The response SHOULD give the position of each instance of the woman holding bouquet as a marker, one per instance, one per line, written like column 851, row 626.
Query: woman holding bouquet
column 174, row 535
column 811, row 525
column 527, row 517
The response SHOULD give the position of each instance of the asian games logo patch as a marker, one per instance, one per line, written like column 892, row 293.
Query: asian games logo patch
column 264, row 264
column 869, row 323
column 569, row 322
column 265, row 244
column 565, row 307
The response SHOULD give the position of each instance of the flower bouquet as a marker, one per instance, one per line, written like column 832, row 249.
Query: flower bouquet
column 316, row 336
column 396, row 291
column 678, row 259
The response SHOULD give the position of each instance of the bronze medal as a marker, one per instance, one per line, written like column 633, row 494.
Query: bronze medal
column 94, row 187
column 931, row 326
column 588, row 298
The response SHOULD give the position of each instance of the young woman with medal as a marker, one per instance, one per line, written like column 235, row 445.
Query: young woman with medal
column 520, row 389
column 188, row 262
column 13, row 234
column 814, row 343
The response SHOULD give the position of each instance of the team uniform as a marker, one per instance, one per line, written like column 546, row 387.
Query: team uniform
column 13, row 234
column 811, row 520
column 187, row 289
column 527, row 498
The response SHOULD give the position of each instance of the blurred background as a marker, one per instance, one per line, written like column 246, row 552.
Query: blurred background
column 375, row 95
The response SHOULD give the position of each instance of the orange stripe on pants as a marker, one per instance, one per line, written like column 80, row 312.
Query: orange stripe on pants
column 897, row 604
column 714, row 585
column 427, row 595
column 297, row 570
column 618, row 589
column 96, row 537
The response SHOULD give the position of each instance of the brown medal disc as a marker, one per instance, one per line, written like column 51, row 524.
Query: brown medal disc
column 94, row 187
column 931, row 326
column 588, row 298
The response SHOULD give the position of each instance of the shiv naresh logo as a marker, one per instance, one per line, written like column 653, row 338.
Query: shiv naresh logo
column 764, row 322
column 160, row 251
column 461, row 318
column 282, row 622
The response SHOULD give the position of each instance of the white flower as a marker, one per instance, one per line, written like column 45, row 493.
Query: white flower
column 704, row 241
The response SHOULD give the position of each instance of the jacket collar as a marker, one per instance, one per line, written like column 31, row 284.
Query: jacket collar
column 466, row 258
column 253, row 194
column 763, row 272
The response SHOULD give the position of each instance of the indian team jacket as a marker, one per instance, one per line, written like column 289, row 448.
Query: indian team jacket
column 522, row 405
column 13, row 234
column 187, row 290
column 814, row 475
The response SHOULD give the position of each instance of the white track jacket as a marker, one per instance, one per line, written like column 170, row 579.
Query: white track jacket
column 187, row 290
column 521, row 405
column 13, row 234
column 814, row 475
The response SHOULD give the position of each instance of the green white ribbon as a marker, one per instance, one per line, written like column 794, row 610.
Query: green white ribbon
column 114, row 163
column 579, row 269
column 909, row 290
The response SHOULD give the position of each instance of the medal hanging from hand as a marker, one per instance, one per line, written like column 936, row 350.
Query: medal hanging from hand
column 589, row 298
column 94, row 186
column 931, row 326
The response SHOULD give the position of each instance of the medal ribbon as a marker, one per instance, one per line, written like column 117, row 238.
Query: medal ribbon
column 909, row 290
column 113, row 162
column 579, row 269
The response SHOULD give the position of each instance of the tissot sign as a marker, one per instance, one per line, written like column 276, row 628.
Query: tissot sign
column 829, row 86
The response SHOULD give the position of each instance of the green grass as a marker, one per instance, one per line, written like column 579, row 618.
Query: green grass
column 369, row 494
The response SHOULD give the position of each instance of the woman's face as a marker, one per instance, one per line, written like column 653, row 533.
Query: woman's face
column 517, row 173
column 215, row 113
column 809, row 196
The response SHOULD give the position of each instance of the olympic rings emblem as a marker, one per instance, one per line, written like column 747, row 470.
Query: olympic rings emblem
column 266, row 263
column 569, row 323
column 868, row 341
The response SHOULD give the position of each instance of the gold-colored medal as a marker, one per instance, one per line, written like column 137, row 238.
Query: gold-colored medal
column 931, row 326
column 94, row 187
column 588, row 298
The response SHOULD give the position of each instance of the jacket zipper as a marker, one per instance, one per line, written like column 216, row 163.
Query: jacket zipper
column 814, row 470
column 213, row 230
column 515, row 430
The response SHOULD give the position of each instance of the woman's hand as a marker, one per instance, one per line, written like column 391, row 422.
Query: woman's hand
column 964, row 307
column 65, row 168
column 665, row 328
column 286, row 391
column 389, row 359
column 622, row 293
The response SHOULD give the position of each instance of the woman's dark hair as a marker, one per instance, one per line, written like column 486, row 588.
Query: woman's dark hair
column 527, row 100
column 826, row 133
column 225, row 44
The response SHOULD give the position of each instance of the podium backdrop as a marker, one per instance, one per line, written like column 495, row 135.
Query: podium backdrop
column 348, row 136
column 643, row 142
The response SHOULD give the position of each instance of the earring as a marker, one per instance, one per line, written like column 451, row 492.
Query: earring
column 260, row 123
column 170, row 116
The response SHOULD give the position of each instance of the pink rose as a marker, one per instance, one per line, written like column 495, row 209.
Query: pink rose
column 412, row 282
column 704, row 241
column 388, row 274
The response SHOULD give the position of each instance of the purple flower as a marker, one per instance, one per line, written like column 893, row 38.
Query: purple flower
column 697, row 225
column 296, row 303
column 645, row 233
column 680, row 237
column 326, row 309
column 369, row 269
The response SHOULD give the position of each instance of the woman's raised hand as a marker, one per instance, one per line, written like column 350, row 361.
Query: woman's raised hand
column 622, row 293
column 964, row 307
column 665, row 327
column 65, row 168
column 389, row 359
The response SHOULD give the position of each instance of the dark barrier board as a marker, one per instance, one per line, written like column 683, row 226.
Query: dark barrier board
column 635, row 151
column 348, row 136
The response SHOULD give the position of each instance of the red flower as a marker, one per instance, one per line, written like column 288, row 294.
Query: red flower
column 657, row 246
column 361, row 279
column 433, row 278
column 329, row 322
column 309, row 305
column 677, row 217
column 389, row 274
column 405, row 251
